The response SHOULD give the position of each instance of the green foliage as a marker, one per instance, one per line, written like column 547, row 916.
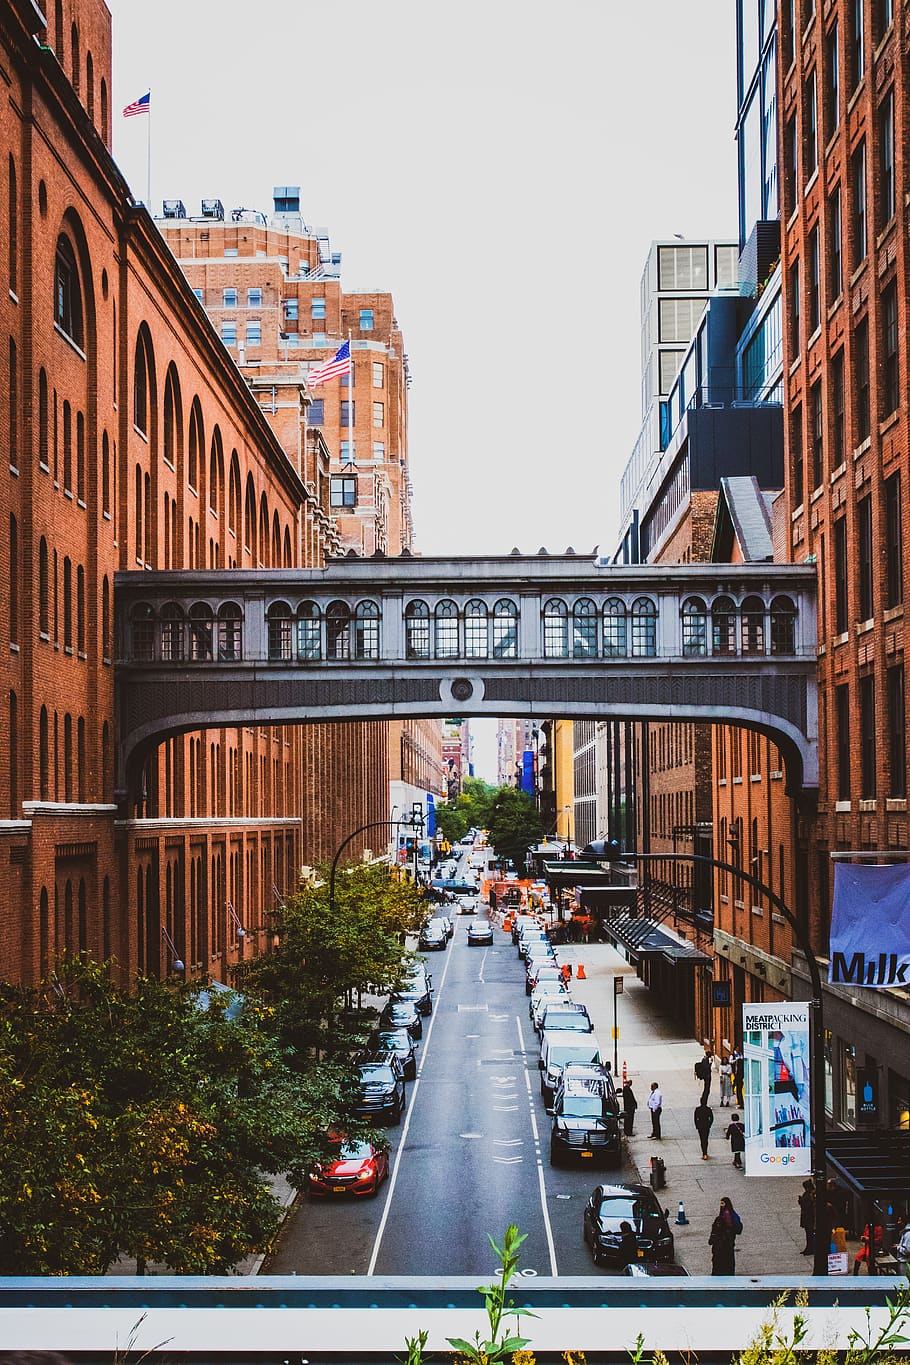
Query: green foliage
column 144, row 1124
column 513, row 824
column 470, row 810
column 498, row 1306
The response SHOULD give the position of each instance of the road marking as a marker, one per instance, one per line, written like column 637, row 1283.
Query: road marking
column 470, row 1135
column 505, row 1108
column 551, row 1246
column 371, row 1268
column 498, row 1018
column 468, row 1009
column 483, row 963
column 508, row 1142
column 504, row 1080
column 507, row 1160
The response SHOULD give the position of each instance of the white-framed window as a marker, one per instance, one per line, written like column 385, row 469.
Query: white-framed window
column 379, row 451
column 199, row 295
column 290, row 309
column 254, row 332
column 254, row 298
column 229, row 333
column 348, row 452
column 343, row 491
column 379, row 414
column 229, row 297
column 378, row 374
column 366, row 319
column 317, row 309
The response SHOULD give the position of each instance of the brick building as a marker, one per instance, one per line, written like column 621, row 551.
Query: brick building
column 133, row 443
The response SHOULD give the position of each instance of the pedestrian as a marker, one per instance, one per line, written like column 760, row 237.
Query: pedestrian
column 655, row 1104
column 628, row 1244
column 724, row 1230
column 806, row 1203
column 735, row 1134
column 902, row 1250
column 736, row 1061
column 726, row 1081
column 704, row 1118
column 565, row 973
column 872, row 1236
column 629, row 1105
column 703, row 1073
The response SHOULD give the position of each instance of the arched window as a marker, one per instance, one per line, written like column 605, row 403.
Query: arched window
column 584, row 629
column 80, row 759
column 90, row 85
column 80, row 456
column 13, row 242
column 694, row 627
column 137, row 512
column 44, row 768
column 106, row 619
column 142, row 632
column 276, row 541
column 74, row 58
column 644, row 628
column 12, row 743
column 80, row 608
column 105, row 474
column 752, row 625
column 723, row 626
column 141, row 387
column 173, row 418
column 264, row 532
column 614, row 628
column 309, row 631
column 58, row 30
column 67, row 757
column 475, row 629
column 555, row 629
column 67, row 603
column 288, row 552
column 783, row 626
column 446, row 630
column 417, row 631
column 505, row 629
column 67, row 292
column 338, row 630
column 42, row 420
column 280, row 630
column 196, row 447
column 366, row 631
column 44, row 618
column 234, row 494
column 44, row 932
column 215, row 475
column 67, row 446
column 230, row 632
column 103, row 91
column 202, row 631
column 249, row 518
column 105, row 760
column 12, row 394
column 172, row 633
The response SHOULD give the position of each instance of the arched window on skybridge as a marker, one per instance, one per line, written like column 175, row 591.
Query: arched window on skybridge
column 280, row 631
column 309, row 631
column 338, row 630
column 555, row 629
column 172, row 633
column 446, row 615
column 366, row 630
column 752, row 626
column 783, row 626
column 694, row 627
column 723, row 626
column 584, row 629
column 644, row 628
column 417, row 631
column 476, row 645
column 615, row 628
column 505, row 629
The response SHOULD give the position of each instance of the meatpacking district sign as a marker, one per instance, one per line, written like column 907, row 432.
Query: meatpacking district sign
column 870, row 925
column 776, row 1089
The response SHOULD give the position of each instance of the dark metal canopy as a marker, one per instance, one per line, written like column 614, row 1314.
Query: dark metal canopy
column 642, row 937
column 873, row 1164
column 575, row 872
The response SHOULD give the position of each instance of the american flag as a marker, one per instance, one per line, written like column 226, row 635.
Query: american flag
column 339, row 364
column 140, row 106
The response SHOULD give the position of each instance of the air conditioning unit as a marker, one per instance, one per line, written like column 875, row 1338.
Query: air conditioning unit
column 174, row 208
column 213, row 208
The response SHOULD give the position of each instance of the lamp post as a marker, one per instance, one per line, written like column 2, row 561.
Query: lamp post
column 600, row 849
column 413, row 821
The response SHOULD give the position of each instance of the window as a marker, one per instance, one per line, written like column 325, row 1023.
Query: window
column 254, row 332
column 614, row 628
column 835, row 246
column 884, row 14
column 80, row 609
column 80, row 457
column 67, row 445
column 317, row 310
column 857, row 48
column 584, row 629
column 890, row 351
column 67, row 603
column 378, row 414
column 791, row 164
column 813, row 282
column 783, row 626
column 280, row 630
column 832, row 82
column 723, row 626
column 840, row 576
column 897, row 732
column 378, row 374
column 864, row 584
column 555, row 629
column 13, row 242
column 794, row 311
column 446, row 630
column 229, row 298
column 842, row 719
column 644, row 628
column 894, row 542
column 378, row 451
column 815, row 409
column 861, row 380
column 199, row 295
column 694, row 627
column 475, row 629
column 43, row 589
column 13, row 398
column 338, row 630
column 858, row 172
column 796, row 454
column 13, row 588
column 366, row 631
column 348, row 413
column 254, row 298
column 343, row 491
column 811, row 125
column 67, row 296
column 838, row 412
column 366, row 319
column 417, row 631
column 290, row 310
column 229, row 333
column 505, row 630
column 42, row 420
column 867, row 737
column 886, row 157
column 348, row 452
column 316, row 412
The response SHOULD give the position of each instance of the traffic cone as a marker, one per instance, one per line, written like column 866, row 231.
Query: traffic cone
column 580, row 972
column 681, row 1218
column 625, row 1074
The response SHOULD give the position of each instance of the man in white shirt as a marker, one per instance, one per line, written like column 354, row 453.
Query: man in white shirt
column 655, row 1104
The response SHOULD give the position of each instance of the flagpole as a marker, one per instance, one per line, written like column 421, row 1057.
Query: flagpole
column 351, row 399
column 148, row 156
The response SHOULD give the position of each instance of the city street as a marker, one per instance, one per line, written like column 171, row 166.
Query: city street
column 472, row 1153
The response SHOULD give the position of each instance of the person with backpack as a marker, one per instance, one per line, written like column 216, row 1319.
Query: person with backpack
column 703, row 1072
column 735, row 1134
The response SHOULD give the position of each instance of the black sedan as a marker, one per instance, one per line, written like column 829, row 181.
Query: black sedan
column 417, row 993
column 480, row 933
column 432, row 937
column 378, row 1090
column 402, row 1014
column 637, row 1205
column 399, row 1041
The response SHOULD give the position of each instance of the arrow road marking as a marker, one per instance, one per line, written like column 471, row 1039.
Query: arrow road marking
column 505, row 1108
column 508, row 1160
column 508, row 1142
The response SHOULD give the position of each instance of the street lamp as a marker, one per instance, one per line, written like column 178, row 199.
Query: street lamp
column 599, row 849
column 413, row 821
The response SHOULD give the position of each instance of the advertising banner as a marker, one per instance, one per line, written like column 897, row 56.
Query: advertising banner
column 776, row 1089
column 870, row 925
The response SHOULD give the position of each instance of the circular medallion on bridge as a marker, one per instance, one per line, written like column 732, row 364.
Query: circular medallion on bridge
column 461, row 692
column 462, row 689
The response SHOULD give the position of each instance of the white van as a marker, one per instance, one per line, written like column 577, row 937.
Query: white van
column 559, row 1046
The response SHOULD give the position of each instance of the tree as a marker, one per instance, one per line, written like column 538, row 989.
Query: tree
column 514, row 824
column 469, row 810
column 144, row 1124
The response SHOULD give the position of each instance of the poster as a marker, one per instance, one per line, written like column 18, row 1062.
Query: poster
column 870, row 925
column 776, row 1089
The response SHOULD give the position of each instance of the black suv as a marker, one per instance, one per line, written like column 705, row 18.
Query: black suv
column 417, row 993
column 586, row 1120
column 611, row 1205
column 379, row 1088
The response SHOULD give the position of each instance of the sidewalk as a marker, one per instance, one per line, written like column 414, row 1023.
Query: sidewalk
column 654, row 1049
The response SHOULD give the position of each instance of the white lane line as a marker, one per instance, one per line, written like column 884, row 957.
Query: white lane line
column 551, row 1246
column 483, row 963
column 371, row 1268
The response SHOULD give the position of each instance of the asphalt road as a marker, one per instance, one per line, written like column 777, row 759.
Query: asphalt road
column 472, row 1153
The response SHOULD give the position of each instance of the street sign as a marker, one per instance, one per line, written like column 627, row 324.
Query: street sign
column 617, row 985
column 720, row 994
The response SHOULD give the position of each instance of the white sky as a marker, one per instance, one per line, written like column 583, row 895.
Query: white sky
column 500, row 167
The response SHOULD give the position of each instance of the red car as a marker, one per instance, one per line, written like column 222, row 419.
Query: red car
column 359, row 1168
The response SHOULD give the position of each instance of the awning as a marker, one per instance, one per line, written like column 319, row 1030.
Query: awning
column 600, row 897
column 874, row 1165
column 642, row 937
column 575, row 872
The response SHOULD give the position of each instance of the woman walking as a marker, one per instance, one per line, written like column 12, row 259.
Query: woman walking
column 724, row 1231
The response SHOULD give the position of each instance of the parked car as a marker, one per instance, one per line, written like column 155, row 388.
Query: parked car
column 566, row 1014
column 432, row 937
column 418, row 994
column 611, row 1205
column 401, row 1014
column 644, row 1269
column 523, row 921
column 446, row 924
column 546, row 969
column 543, row 994
column 399, row 1041
column 480, row 933
column 529, row 936
column 556, row 1049
column 359, row 1168
column 378, row 1091
column 585, row 1124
